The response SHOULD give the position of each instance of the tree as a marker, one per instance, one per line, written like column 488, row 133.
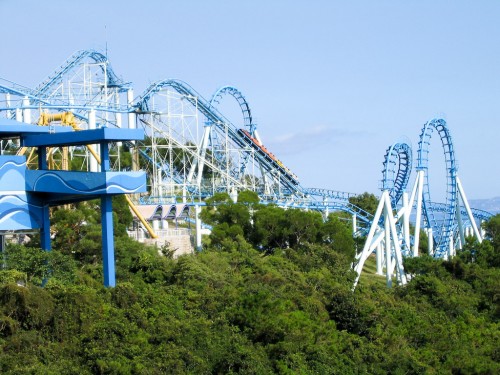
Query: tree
column 271, row 228
column 248, row 197
column 366, row 201
column 78, row 231
column 228, row 219
column 338, row 235
column 122, row 217
column 304, row 226
column 492, row 228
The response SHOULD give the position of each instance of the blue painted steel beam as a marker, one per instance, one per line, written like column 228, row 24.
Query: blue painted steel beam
column 45, row 241
column 108, row 246
column 108, row 254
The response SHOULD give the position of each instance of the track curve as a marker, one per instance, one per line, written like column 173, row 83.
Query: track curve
column 44, row 87
column 395, row 180
column 218, row 120
column 236, row 94
column 442, row 229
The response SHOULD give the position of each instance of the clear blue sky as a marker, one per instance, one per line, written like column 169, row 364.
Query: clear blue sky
column 331, row 83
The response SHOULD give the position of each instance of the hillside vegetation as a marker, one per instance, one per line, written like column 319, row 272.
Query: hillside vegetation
column 269, row 293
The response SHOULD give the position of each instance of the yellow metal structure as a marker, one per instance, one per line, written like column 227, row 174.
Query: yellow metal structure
column 68, row 118
column 65, row 118
column 129, row 201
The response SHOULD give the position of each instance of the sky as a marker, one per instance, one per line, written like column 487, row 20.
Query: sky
column 331, row 84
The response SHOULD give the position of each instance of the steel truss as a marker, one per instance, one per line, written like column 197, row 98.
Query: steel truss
column 193, row 151
column 447, row 224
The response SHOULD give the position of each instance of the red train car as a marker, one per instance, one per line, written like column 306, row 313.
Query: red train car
column 260, row 147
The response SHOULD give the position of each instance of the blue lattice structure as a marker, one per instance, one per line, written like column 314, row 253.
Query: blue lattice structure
column 190, row 162
column 443, row 229
column 397, row 170
column 26, row 195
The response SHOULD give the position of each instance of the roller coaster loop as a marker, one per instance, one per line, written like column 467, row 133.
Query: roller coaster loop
column 398, row 155
column 245, row 108
column 443, row 228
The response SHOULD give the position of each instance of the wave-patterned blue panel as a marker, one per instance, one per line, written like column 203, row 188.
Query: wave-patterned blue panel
column 12, row 172
column 17, row 212
column 125, row 182
column 85, row 183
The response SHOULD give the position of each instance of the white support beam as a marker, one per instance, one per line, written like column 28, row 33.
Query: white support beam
column 388, row 272
column 131, row 115
column 419, row 186
column 398, row 258
column 7, row 104
column 26, row 110
column 430, row 241
column 197, row 211
column 465, row 202
column 380, row 259
column 406, row 220
column 368, row 249
column 203, row 152
column 461, row 230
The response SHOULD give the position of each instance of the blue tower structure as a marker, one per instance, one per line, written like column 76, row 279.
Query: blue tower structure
column 26, row 195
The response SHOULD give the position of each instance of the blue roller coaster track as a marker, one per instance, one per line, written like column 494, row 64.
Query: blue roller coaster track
column 245, row 110
column 215, row 118
column 236, row 94
column 335, row 201
column 443, row 228
column 438, row 216
column 397, row 170
column 71, row 63
column 397, row 165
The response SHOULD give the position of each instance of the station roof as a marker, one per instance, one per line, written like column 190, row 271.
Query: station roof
column 12, row 129
column 82, row 137
column 39, row 136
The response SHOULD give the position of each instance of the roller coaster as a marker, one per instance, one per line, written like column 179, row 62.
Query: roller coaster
column 193, row 151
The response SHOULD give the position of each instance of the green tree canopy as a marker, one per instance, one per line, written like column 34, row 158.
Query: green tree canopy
column 366, row 201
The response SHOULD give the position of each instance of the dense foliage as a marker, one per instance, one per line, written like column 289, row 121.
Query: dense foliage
column 270, row 293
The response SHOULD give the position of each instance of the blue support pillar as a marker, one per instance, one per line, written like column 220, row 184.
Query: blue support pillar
column 108, row 249
column 2, row 248
column 108, row 245
column 105, row 166
column 45, row 242
column 45, row 229
column 42, row 158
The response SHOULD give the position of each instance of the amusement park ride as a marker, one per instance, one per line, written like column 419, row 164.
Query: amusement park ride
column 191, row 151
